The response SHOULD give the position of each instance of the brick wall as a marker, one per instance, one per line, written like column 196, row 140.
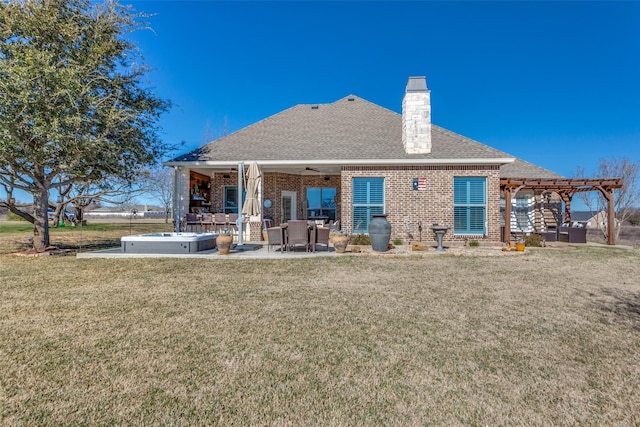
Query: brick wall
column 433, row 205
column 402, row 204
column 218, row 182
column 275, row 183
column 273, row 186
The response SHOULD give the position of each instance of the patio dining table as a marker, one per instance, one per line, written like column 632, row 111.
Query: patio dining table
column 311, row 235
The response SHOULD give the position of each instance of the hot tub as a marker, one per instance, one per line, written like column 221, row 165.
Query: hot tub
column 168, row 243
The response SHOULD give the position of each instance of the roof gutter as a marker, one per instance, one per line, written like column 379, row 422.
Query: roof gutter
column 351, row 162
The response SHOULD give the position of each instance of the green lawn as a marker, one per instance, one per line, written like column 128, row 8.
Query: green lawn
column 547, row 338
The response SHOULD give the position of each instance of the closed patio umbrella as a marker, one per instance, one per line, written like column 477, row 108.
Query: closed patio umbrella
column 252, row 204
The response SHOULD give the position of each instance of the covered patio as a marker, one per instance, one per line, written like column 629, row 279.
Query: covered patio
column 284, row 191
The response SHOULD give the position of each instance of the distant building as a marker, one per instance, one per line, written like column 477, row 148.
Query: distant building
column 136, row 211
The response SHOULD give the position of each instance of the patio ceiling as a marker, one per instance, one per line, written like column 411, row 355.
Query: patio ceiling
column 290, row 169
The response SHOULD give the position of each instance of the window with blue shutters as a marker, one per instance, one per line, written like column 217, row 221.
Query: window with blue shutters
column 368, row 199
column 469, row 205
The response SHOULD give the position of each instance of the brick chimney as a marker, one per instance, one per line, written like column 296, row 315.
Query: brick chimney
column 416, row 117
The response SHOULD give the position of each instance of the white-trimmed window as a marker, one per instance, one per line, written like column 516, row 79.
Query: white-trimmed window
column 321, row 202
column 231, row 199
column 470, row 205
column 368, row 199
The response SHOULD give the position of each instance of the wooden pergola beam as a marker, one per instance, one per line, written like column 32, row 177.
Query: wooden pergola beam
column 506, row 236
column 564, row 183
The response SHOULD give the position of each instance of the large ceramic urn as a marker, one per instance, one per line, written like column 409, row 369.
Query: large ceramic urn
column 223, row 242
column 340, row 242
column 379, row 232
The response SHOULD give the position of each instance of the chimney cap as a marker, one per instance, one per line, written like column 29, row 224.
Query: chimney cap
column 417, row 84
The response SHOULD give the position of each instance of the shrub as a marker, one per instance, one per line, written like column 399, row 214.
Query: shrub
column 360, row 239
column 533, row 240
column 634, row 219
column 474, row 243
column 397, row 242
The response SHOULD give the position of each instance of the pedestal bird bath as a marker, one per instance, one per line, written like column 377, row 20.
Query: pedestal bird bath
column 440, row 231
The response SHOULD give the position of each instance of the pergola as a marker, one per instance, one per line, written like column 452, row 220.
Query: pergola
column 566, row 189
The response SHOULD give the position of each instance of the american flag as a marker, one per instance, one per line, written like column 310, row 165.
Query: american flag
column 422, row 183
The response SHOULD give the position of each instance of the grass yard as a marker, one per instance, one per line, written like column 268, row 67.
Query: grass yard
column 549, row 337
column 98, row 234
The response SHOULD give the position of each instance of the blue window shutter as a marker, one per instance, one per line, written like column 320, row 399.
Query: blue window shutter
column 469, row 205
column 460, row 191
column 368, row 199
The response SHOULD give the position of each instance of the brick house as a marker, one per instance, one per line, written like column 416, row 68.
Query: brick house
column 351, row 158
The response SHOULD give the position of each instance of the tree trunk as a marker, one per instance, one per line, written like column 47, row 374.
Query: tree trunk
column 79, row 212
column 40, row 220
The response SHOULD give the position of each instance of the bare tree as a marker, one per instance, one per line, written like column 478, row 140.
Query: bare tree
column 111, row 191
column 211, row 134
column 158, row 183
column 625, row 198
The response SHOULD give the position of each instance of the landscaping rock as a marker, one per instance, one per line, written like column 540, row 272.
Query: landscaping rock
column 419, row 246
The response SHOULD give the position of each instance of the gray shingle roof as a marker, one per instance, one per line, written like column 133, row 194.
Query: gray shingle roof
column 581, row 216
column 349, row 129
column 522, row 169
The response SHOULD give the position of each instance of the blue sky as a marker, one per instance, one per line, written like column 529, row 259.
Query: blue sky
column 554, row 83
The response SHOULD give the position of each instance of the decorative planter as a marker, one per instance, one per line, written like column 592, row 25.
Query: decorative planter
column 379, row 232
column 519, row 246
column 265, row 236
column 223, row 242
column 340, row 242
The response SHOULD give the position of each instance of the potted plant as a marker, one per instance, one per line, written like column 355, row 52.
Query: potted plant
column 340, row 240
column 224, row 241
